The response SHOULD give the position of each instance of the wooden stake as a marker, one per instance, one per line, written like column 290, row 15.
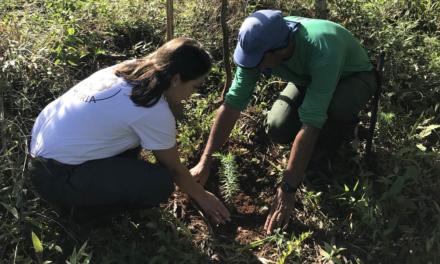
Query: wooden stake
column 375, row 104
column 226, row 59
column 170, row 20
column 321, row 9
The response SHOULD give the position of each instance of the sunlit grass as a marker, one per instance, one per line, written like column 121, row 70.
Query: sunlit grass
column 386, row 213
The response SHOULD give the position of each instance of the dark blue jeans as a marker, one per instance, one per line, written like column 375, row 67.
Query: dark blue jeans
column 102, row 186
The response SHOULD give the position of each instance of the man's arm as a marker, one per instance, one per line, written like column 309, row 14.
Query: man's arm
column 224, row 122
column 300, row 154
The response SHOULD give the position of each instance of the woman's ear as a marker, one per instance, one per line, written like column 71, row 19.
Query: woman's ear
column 175, row 80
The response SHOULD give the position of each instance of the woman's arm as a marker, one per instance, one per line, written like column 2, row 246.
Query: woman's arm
column 209, row 203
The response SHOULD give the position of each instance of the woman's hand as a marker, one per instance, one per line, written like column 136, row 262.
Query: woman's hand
column 200, row 172
column 212, row 206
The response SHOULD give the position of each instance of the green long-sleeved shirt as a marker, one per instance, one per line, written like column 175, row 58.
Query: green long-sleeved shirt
column 324, row 52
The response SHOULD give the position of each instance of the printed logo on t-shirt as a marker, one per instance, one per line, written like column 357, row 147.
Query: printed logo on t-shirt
column 96, row 88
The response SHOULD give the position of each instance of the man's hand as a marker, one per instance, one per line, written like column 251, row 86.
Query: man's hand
column 200, row 172
column 224, row 122
column 280, row 211
column 300, row 153
column 212, row 206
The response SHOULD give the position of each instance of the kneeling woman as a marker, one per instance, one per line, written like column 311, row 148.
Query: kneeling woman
column 85, row 143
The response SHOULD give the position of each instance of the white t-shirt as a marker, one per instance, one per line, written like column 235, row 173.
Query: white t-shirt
column 96, row 119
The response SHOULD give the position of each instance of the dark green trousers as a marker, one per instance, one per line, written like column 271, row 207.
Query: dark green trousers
column 350, row 96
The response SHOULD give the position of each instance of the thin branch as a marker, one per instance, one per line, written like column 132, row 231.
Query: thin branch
column 2, row 115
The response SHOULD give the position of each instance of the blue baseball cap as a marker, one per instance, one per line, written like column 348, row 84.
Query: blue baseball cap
column 263, row 30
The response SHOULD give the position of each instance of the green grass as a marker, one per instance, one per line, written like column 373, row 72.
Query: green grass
column 385, row 212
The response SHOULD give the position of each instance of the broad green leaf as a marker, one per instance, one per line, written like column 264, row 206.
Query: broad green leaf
column 411, row 172
column 99, row 51
column 38, row 246
column 324, row 253
column 11, row 209
column 396, row 188
column 70, row 31
column 327, row 247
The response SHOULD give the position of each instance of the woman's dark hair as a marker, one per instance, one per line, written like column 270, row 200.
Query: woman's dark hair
column 151, row 76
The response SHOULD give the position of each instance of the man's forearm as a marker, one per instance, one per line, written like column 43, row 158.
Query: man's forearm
column 300, row 154
column 220, row 131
